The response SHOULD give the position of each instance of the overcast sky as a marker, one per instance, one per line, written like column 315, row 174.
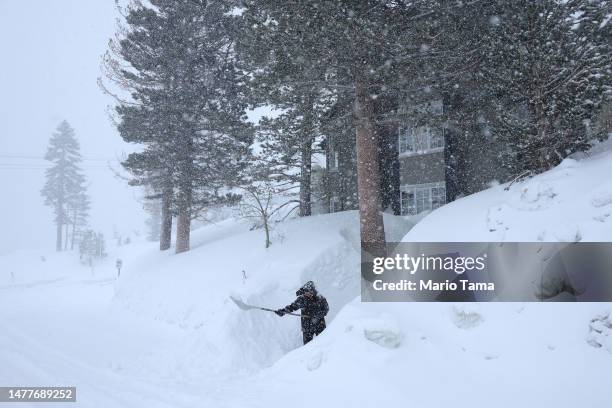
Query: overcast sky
column 50, row 55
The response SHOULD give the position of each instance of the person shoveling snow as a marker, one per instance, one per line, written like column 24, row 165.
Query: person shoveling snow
column 313, row 306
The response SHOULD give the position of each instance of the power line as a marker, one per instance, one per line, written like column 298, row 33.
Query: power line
column 26, row 162
column 30, row 166
column 34, row 168
column 7, row 156
column 46, row 166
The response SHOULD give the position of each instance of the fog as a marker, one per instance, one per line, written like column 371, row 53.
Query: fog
column 50, row 62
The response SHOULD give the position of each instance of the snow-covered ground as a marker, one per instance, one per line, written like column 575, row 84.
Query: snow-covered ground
column 165, row 334
column 570, row 203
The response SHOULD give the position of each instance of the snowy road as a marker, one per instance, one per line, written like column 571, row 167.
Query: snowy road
column 65, row 333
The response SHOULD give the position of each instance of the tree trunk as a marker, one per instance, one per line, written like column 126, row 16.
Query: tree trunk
column 66, row 237
column 183, row 223
column 74, row 222
column 165, row 238
column 183, row 227
column 267, row 230
column 185, row 195
column 541, row 154
column 368, row 173
column 58, row 239
column 59, row 209
column 305, row 178
column 306, row 157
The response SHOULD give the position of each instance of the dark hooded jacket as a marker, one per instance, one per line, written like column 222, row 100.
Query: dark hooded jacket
column 313, row 309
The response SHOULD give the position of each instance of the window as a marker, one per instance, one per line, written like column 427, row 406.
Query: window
column 422, row 199
column 405, row 140
column 334, row 205
column 438, row 197
column 333, row 161
column 417, row 198
column 421, row 139
column 407, row 203
column 436, row 139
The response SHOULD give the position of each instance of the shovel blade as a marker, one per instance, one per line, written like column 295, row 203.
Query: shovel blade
column 241, row 304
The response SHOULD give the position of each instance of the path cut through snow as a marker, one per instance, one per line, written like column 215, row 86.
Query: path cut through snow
column 66, row 334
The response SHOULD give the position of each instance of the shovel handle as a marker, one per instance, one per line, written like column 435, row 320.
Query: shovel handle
column 244, row 306
column 289, row 313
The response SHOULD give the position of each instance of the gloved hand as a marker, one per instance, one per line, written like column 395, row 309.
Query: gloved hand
column 280, row 312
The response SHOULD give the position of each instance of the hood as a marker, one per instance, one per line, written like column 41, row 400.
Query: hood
column 307, row 287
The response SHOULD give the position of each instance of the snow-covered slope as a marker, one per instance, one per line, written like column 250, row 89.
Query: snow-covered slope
column 165, row 334
column 423, row 355
column 501, row 355
column 439, row 355
column 572, row 202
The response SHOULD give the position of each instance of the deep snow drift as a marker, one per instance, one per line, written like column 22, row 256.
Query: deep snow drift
column 192, row 290
column 501, row 355
column 165, row 334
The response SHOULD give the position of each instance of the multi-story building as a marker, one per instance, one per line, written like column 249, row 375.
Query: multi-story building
column 422, row 178
column 412, row 167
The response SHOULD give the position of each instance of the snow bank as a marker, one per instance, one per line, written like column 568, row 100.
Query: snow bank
column 192, row 290
column 424, row 355
column 571, row 203
column 502, row 355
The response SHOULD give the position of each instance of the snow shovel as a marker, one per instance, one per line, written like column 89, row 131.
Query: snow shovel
column 244, row 306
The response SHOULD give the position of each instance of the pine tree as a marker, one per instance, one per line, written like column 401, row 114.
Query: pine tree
column 360, row 45
column 546, row 66
column 64, row 189
column 78, row 211
column 92, row 246
column 289, row 142
column 87, row 246
column 295, row 86
column 522, row 83
column 188, row 106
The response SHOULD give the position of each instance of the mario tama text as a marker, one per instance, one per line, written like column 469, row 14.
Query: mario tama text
column 431, row 285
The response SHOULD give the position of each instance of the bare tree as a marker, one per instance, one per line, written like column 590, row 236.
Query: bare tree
column 262, row 204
